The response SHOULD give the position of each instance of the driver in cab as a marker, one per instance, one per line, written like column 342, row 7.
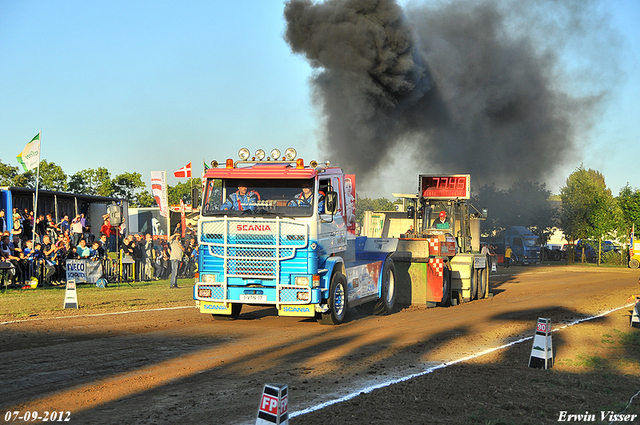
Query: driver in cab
column 441, row 222
column 305, row 198
column 243, row 199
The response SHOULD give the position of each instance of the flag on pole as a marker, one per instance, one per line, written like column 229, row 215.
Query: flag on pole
column 184, row 171
column 205, row 167
column 159, row 189
column 29, row 158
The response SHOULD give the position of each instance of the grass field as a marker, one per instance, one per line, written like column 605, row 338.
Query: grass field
column 16, row 304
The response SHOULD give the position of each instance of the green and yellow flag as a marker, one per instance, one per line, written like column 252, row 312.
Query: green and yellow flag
column 30, row 155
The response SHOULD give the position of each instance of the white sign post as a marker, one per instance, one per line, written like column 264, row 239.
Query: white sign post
column 542, row 351
column 70, row 295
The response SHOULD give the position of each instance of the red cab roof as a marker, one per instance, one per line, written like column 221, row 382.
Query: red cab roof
column 264, row 171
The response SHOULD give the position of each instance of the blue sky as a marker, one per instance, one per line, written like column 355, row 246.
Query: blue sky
column 142, row 86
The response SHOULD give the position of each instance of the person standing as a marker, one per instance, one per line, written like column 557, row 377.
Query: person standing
column 3, row 222
column 487, row 253
column 76, row 230
column 149, row 257
column 64, row 225
column 507, row 256
column 176, row 256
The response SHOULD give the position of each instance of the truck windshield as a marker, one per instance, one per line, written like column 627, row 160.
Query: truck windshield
column 530, row 242
column 259, row 197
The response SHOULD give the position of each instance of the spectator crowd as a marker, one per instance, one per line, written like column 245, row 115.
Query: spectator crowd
column 39, row 247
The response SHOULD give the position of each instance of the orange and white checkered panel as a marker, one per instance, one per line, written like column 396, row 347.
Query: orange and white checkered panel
column 437, row 264
column 434, row 246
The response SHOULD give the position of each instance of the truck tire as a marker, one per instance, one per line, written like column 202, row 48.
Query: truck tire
column 235, row 313
column 634, row 264
column 387, row 299
column 337, row 301
column 446, row 287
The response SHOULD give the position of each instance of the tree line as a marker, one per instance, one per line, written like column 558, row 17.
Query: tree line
column 585, row 209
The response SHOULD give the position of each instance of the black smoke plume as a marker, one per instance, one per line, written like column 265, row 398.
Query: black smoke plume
column 473, row 87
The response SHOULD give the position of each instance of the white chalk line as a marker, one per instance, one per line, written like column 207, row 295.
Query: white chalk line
column 94, row 315
column 369, row 389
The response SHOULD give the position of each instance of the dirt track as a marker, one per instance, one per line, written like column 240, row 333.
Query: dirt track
column 180, row 366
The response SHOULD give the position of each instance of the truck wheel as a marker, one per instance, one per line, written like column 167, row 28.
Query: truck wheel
column 446, row 287
column 481, row 283
column 634, row 264
column 235, row 313
column 337, row 301
column 385, row 303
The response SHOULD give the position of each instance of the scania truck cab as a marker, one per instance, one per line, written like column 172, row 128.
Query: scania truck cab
column 275, row 232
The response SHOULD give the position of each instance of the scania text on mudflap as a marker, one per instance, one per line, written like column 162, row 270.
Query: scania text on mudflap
column 275, row 232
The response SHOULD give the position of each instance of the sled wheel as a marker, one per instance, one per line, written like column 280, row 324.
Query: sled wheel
column 481, row 282
column 337, row 301
column 473, row 286
column 387, row 299
column 446, row 287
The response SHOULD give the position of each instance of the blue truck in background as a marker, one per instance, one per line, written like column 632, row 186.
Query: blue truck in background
column 524, row 245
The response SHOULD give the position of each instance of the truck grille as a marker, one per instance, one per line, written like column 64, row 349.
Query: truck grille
column 253, row 249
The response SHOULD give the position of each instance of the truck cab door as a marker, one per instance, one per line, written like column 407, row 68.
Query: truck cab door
column 332, row 232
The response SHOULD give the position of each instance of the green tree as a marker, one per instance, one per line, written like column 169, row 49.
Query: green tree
column 629, row 204
column 13, row 176
column 367, row 204
column 127, row 186
column 146, row 199
column 183, row 191
column 52, row 177
column 92, row 182
column 589, row 211
column 8, row 174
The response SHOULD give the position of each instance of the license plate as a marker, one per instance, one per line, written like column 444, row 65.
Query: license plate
column 253, row 297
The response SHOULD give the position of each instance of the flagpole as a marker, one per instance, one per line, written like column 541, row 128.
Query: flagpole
column 35, row 210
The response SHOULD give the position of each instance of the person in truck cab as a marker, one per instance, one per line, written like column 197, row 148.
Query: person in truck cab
column 305, row 198
column 441, row 222
column 242, row 199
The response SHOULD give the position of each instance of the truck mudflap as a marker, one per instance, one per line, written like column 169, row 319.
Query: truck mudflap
column 307, row 310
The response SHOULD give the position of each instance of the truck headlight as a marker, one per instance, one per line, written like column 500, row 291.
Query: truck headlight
column 208, row 278
column 301, row 280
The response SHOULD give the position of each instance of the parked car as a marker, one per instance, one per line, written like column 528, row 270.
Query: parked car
column 552, row 252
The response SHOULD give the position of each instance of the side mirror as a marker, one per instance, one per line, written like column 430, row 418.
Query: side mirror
column 331, row 202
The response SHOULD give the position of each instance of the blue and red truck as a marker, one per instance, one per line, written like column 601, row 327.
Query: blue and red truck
column 274, row 231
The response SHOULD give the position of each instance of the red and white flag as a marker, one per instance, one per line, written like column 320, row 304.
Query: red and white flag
column 159, row 189
column 184, row 171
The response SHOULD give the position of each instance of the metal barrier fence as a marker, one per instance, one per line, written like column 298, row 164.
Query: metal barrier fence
column 122, row 269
